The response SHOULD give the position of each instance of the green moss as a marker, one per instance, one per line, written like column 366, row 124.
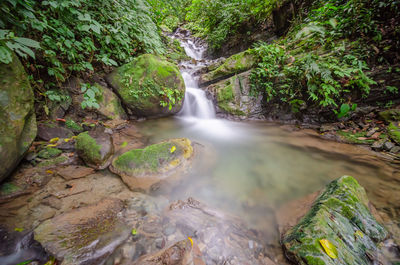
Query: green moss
column 49, row 153
column 390, row 115
column 88, row 147
column 394, row 131
column 226, row 93
column 314, row 260
column 70, row 124
column 53, row 161
column 8, row 188
column 149, row 158
column 353, row 138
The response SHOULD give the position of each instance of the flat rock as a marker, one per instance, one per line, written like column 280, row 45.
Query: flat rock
column 48, row 131
column 75, row 172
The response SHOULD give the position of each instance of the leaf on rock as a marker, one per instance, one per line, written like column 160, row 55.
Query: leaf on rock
column 173, row 148
column 359, row 234
column 134, row 232
column 18, row 229
column 329, row 248
column 54, row 140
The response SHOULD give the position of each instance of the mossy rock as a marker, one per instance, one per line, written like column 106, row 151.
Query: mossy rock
column 9, row 188
column 95, row 148
column 235, row 64
column 144, row 83
column 49, row 152
column 17, row 116
column 394, row 131
column 390, row 115
column 141, row 168
column 341, row 215
column 73, row 126
column 233, row 96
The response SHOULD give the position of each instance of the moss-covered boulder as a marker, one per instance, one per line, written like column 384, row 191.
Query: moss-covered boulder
column 95, row 148
column 149, row 86
column 141, row 168
column 394, row 131
column 390, row 115
column 84, row 235
column 341, row 216
column 17, row 116
column 235, row 64
column 233, row 97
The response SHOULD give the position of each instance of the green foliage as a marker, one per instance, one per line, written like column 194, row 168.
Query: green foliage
column 90, row 96
column 345, row 110
column 161, row 9
column 56, row 95
column 218, row 19
column 77, row 35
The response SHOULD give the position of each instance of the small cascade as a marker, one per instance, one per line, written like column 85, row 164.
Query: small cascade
column 196, row 103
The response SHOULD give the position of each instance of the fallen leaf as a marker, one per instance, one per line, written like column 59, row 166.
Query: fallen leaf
column 54, row 140
column 49, row 172
column 51, row 145
column 63, row 120
column 134, row 232
column 19, row 229
column 173, row 148
column 67, row 140
column 191, row 240
column 124, row 144
column 362, row 138
column 329, row 248
column 359, row 233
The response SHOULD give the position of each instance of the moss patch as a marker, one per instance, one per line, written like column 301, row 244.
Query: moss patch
column 53, row 161
column 354, row 137
column 394, row 131
column 49, row 153
column 8, row 188
column 88, row 147
column 390, row 115
column 75, row 127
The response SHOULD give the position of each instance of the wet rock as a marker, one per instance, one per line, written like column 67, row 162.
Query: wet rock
column 141, row 85
column 75, row 172
column 181, row 253
column 341, row 215
column 371, row 132
column 84, row 235
column 390, row 115
column 378, row 145
column 387, row 146
column 327, row 128
column 235, row 64
column 395, row 149
column 95, row 148
column 49, row 153
column 394, row 131
column 48, row 131
column 109, row 103
column 233, row 97
column 17, row 116
column 141, row 168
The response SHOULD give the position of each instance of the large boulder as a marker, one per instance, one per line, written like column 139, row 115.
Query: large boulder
column 235, row 64
column 85, row 235
column 17, row 116
column 95, row 148
column 233, row 97
column 339, row 223
column 141, row 168
column 149, row 86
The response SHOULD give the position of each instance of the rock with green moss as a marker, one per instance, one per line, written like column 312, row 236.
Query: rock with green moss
column 394, row 131
column 84, row 235
column 342, row 216
column 95, row 148
column 17, row 116
column 49, row 152
column 73, row 126
column 149, row 86
column 233, row 97
column 235, row 64
column 390, row 115
column 141, row 168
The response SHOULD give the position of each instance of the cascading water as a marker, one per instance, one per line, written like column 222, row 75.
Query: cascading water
column 196, row 104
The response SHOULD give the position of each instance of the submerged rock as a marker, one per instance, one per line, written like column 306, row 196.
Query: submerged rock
column 141, row 168
column 17, row 116
column 95, row 148
column 146, row 82
column 233, row 97
column 85, row 235
column 340, row 215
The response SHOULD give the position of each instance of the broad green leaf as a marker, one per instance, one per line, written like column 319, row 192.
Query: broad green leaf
column 329, row 248
column 28, row 42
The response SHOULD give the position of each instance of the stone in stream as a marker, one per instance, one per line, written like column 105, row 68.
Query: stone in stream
column 51, row 130
column 17, row 116
column 232, row 97
column 86, row 235
column 145, row 83
column 341, row 215
column 95, row 148
column 141, row 168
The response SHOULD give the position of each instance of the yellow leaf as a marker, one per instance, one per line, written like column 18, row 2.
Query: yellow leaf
column 51, row 145
column 19, row 229
column 54, row 140
column 74, row 137
column 49, row 172
column 134, row 232
column 191, row 240
column 173, row 148
column 359, row 233
column 67, row 140
column 329, row 248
